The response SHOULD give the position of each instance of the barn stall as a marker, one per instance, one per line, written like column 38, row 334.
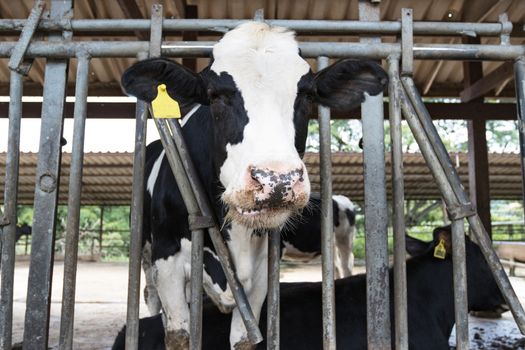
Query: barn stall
column 432, row 39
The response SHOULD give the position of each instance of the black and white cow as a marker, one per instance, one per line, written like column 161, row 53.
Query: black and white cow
column 430, row 306
column 301, row 241
column 249, row 124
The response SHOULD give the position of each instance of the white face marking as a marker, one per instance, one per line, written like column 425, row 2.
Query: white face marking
column 152, row 179
column 266, row 67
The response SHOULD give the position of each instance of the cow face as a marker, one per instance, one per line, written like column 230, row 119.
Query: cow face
column 260, row 91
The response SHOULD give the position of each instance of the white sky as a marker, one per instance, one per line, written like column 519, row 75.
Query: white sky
column 102, row 135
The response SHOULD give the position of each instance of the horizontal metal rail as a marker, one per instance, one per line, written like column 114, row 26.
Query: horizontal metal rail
column 308, row 49
column 300, row 26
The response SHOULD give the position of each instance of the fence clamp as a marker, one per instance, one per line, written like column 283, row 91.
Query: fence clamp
column 461, row 211
column 199, row 222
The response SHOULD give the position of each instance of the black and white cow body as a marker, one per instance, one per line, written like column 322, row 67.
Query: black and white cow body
column 245, row 139
column 430, row 306
column 301, row 241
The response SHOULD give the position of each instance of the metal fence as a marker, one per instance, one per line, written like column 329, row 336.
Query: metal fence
column 60, row 48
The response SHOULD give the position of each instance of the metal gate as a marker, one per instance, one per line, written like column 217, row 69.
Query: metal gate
column 59, row 49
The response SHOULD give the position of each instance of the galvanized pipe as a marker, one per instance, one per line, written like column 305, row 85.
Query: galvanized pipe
column 460, row 197
column 8, row 233
column 327, row 222
column 398, row 201
column 195, row 195
column 460, row 284
column 308, row 49
column 519, row 83
column 273, row 302
column 300, row 26
column 135, row 246
column 67, row 318
column 38, row 301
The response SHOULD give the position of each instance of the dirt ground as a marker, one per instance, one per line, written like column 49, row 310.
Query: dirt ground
column 101, row 306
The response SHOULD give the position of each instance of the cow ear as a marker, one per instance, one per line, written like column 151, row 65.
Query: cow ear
column 342, row 86
column 183, row 85
column 416, row 247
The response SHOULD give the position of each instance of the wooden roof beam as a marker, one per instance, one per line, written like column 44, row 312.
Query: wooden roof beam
column 489, row 82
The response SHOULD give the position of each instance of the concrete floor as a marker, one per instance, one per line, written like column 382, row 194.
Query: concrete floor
column 101, row 305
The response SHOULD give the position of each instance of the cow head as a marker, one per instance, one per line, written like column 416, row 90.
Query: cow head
column 260, row 91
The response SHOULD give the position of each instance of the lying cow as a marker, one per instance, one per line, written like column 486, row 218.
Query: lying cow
column 430, row 305
column 249, row 117
column 302, row 240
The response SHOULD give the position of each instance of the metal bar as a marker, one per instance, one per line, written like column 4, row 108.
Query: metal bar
column 398, row 199
column 376, row 211
column 460, row 284
column 454, row 194
column 73, row 209
column 25, row 37
column 8, row 233
column 273, row 313
column 407, row 41
column 38, row 301
column 308, row 50
column 327, row 223
column 135, row 247
column 300, row 26
column 197, row 246
column 221, row 249
column 519, row 71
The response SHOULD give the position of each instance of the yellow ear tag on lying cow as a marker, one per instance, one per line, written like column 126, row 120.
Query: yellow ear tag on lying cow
column 163, row 105
column 439, row 251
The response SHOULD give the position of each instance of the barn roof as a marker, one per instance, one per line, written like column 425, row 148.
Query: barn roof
column 107, row 176
column 434, row 78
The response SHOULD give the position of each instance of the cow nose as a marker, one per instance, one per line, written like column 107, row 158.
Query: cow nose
column 275, row 188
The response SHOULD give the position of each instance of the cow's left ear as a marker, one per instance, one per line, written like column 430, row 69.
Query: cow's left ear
column 342, row 85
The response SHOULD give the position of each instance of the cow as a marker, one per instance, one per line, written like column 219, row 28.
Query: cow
column 22, row 230
column 302, row 240
column 249, row 115
column 430, row 305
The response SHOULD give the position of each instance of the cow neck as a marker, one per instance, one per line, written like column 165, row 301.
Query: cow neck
column 189, row 114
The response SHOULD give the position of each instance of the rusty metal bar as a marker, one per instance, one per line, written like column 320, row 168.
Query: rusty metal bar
column 8, row 233
column 135, row 247
column 327, row 223
column 73, row 210
column 460, row 284
column 519, row 71
column 400, row 278
column 25, row 37
column 273, row 313
column 38, row 300
column 376, row 212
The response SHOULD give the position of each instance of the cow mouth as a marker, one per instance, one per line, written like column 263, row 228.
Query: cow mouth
column 261, row 218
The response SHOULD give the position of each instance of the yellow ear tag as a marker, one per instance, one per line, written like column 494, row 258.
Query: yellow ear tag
column 163, row 105
column 439, row 251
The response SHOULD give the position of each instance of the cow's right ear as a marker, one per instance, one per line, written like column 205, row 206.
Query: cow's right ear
column 183, row 85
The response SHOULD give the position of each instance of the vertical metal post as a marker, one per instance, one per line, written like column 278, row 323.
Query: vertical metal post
column 137, row 200
column 327, row 223
column 460, row 284
column 46, row 192
column 376, row 212
column 400, row 279
column 8, row 232
column 273, row 313
column 73, row 211
column 519, row 83
column 135, row 246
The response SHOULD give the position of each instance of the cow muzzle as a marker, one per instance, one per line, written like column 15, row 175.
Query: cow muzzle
column 269, row 196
